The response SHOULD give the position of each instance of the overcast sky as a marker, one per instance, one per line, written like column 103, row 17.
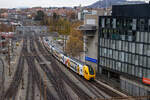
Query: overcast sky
column 44, row 3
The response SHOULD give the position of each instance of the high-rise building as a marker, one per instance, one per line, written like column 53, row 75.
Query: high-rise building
column 124, row 47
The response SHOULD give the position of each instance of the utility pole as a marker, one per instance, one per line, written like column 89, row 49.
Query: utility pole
column 9, row 58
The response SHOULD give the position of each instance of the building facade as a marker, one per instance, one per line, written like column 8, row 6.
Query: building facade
column 124, row 51
column 90, row 33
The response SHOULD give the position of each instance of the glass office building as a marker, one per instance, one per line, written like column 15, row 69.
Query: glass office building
column 124, row 49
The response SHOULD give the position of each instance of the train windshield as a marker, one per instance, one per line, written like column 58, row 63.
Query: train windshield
column 91, row 71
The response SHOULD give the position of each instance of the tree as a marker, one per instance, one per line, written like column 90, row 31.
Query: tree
column 74, row 46
column 5, row 28
column 39, row 16
column 75, row 43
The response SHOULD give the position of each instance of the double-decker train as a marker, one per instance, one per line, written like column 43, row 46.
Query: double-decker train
column 77, row 66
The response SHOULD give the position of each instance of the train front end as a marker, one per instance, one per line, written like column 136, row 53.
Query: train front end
column 89, row 73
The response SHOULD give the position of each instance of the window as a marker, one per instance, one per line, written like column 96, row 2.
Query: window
column 129, row 69
column 117, row 45
column 100, row 51
column 138, row 36
column 136, row 60
column 129, row 58
column 137, row 48
column 140, row 72
column 141, row 61
column 122, row 68
column 133, row 69
column 105, row 43
column 136, row 71
column 114, row 23
column 126, row 57
column 126, row 46
column 134, row 24
column 122, row 56
column 119, row 66
column 111, row 64
column 100, row 41
column 103, row 22
column 126, row 68
column 141, row 48
column 116, row 56
column 105, row 52
column 145, row 61
column 133, row 59
column 145, row 49
column 123, row 46
column 107, row 63
column 130, row 47
column 142, row 23
column 148, row 50
column 102, row 61
column 133, row 48
column 108, row 22
column 108, row 43
column 141, row 36
column 148, row 62
column 114, row 64
column 149, row 36
column 148, row 74
column 149, row 24
column 145, row 73
column 145, row 37
column 113, row 44
column 110, row 53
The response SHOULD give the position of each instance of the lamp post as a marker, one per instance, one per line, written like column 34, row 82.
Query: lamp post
column 3, row 79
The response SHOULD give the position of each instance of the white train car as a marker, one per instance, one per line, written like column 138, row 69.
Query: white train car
column 79, row 67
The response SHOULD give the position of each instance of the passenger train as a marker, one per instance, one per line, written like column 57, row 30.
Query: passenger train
column 77, row 66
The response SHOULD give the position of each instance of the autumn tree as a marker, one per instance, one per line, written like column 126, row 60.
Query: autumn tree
column 75, row 43
column 5, row 28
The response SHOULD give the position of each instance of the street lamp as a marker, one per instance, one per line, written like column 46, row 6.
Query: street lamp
column 3, row 79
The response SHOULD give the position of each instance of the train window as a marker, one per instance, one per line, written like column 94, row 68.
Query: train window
column 91, row 71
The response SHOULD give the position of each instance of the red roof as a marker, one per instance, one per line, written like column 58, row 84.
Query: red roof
column 7, row 34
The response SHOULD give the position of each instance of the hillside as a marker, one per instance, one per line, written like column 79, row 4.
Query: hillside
column 109, row 3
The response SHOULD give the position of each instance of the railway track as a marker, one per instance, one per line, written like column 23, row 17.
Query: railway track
column 53, row 77
column 11, row 92
column 30, row 92
column 93, row 84
column 28, row 84
column 38, row 79
column 81, row 94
